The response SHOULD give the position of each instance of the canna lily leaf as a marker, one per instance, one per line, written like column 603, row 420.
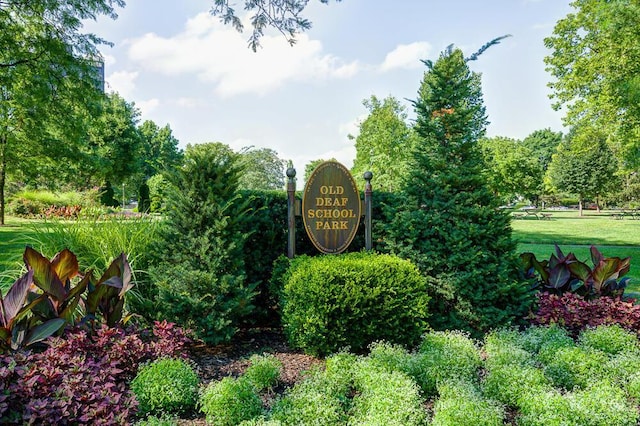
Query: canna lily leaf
column 596, row 256
column 44, row 275
column 580, row 270
column 65, row 264
column 118, row 274
column 44, row 330
column 15, row 298
column 74, row 299
column 559, row 276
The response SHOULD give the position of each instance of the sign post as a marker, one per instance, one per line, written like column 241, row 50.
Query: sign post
column 291, row 215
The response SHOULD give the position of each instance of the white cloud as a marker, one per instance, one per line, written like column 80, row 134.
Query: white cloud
column 351, row 128
column 109, row 60
column 406, row 56
column 185, row 102
column 148, row 106
column 122, row 82
column 218, row 54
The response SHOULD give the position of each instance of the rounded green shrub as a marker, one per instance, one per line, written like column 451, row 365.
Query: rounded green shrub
column 385, row 397
column 445, row 355
column 611, row 339
column 573, row 367
column 166, row 386
column 461, row 404
column 318, row 400
column 333, row 302
column 264, row 371
column 230, row 401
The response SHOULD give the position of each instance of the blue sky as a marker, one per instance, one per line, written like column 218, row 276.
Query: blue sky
column 182, row 67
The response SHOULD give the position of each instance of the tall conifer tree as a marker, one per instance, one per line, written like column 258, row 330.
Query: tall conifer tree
column 450, row 225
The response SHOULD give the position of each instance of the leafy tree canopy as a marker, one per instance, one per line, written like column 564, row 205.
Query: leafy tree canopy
column 159, row 148
column 262, row 169
column 543, row 143
column 584, row 165
column 382, row 143
column 512, row 168
column 595, row 65
column 48, row 81
column 283, row 15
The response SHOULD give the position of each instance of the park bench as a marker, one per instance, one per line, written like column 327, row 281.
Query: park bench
column 545, row 216
column 517, row 215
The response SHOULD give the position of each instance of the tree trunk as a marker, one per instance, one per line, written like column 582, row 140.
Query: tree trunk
column 580, row 207
column 3, row 173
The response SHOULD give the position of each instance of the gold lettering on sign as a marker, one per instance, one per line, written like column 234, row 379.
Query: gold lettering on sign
column 331, row 207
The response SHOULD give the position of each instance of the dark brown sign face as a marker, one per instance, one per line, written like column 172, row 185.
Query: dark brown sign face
column 331, row 207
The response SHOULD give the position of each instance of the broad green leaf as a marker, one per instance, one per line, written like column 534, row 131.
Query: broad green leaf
column 44, row 330
column 559, row 276
column 580, row 270
column 596, row 256
column 44, row 276
column 15, row 298
column 605, row 270
column 65, row 264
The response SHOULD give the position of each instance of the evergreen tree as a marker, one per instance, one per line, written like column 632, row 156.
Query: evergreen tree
column 200, row 276
column 450, row 225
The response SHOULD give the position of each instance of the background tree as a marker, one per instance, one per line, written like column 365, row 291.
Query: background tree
column 48, row 80
column 595, row 63
column 512, row 169
column 112, row 151
column 158, row 152
column 450, row 226
column 262, row 169
column 382, row 143
column 286, row 17
column 311, row 166
column 543, row 144
column 159, row 149
column 584, row 165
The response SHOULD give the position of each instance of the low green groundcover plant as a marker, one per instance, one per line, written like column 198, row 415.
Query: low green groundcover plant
column 330, row 302
column 263, row 372
column 230, row 401
column 82, row 378
column 462, row 404
column 540, row 376
column 166, row 386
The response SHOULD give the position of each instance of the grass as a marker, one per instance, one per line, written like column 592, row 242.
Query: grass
column 614, row 238
column 619, row 238
column 95, row 242
column 13, row 238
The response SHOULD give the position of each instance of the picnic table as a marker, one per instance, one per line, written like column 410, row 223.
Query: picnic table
column 632, row 213
column 531, row 212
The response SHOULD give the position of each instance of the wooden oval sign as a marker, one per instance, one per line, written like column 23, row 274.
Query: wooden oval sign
column 331, row 207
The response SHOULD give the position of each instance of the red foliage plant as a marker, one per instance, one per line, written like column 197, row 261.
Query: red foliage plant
column 574, row 313
column 82, row 378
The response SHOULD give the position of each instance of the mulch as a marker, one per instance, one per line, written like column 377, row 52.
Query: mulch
column 231, row 359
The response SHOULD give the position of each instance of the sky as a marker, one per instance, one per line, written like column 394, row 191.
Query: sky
column 183, row 67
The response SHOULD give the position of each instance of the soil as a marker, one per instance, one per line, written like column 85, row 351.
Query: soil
column 232, row 359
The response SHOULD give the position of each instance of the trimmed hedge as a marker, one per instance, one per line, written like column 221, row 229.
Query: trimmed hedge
column 267, row 230
column 334, row 302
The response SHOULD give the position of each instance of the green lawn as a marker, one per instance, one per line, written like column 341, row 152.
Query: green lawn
column 620, row 238
column 575, row 234
column 14, row 236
